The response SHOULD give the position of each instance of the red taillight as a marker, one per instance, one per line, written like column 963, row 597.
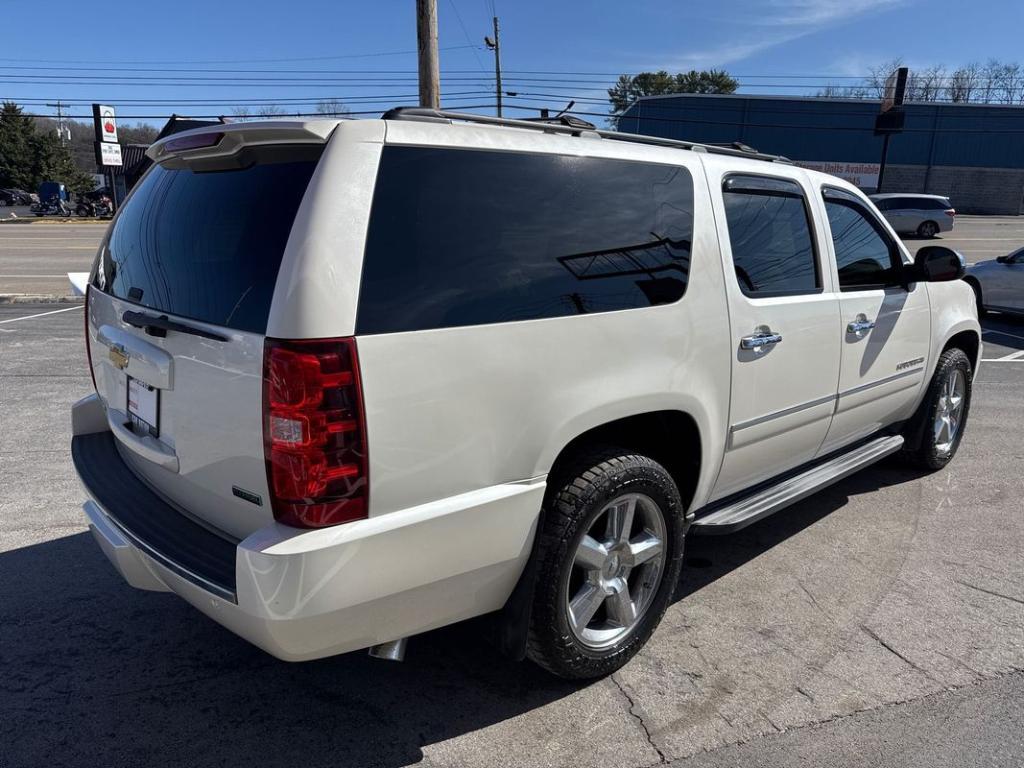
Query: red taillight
column 951, row 211
column 314, row 432
column 88, row 344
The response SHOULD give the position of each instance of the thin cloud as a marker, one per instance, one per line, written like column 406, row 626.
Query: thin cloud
column 783, row 22
column 815, row 14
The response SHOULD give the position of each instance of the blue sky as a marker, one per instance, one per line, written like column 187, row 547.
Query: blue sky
column 333, row 49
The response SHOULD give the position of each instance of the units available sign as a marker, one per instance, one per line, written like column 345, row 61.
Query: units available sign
column 863, row 175
column 109, row 154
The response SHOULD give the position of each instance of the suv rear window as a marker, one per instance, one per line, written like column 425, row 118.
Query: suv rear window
column 466, row 237
column 207, row 245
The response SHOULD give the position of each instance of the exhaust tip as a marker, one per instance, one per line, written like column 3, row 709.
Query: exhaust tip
column 393, row 651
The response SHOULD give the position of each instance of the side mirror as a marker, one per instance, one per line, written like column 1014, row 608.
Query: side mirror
column 1003, row 259
column 937, row 263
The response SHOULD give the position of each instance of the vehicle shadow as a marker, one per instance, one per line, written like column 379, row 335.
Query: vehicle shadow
column 1003, row 330
column 96, row 673
column 709, row 558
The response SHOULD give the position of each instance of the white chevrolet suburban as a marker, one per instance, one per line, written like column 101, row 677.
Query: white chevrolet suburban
column 356, row 380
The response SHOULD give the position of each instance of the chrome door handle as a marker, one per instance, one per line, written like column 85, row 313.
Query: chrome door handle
column 760, row 340
column 860, row 326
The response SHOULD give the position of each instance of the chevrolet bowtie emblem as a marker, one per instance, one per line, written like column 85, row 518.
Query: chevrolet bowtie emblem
column 119, row 356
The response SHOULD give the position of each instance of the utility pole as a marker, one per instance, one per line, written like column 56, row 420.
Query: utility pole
column 63, row 132
column 495, row 45
column 426, row 38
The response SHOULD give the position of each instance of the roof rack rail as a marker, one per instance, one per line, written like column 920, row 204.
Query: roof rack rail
column 576, row 127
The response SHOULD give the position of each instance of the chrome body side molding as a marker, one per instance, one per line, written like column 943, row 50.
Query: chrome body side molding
column 784, row 412
column 880, row 382
column 749, row 509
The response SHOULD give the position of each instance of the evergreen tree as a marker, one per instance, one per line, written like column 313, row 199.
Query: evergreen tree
column 629, row 88
column 16, row 135
column 29, row 156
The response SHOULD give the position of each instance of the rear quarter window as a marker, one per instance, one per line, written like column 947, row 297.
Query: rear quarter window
column 467, row 237
column 208, row 245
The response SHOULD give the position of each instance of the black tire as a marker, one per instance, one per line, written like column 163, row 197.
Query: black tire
column 923, row 449
column 928, row 229
column 576, row 498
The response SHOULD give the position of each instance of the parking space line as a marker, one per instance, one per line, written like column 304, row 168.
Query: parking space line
column 1011, row 356
column 1002, row 333
column 41, row 314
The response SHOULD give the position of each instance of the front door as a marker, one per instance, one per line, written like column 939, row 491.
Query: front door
column 782, row 314
column 884, row 325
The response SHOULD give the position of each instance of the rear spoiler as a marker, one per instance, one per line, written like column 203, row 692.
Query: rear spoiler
column 228, row 139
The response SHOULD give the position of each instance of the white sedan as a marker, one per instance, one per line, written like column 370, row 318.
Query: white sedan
column 999, row 283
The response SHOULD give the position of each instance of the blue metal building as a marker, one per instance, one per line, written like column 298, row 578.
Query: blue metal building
column 972, row 152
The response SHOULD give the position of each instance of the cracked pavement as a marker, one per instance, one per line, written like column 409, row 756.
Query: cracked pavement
column 855, row 621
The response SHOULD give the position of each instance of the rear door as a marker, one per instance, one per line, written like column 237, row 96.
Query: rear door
column 1007, row 289
column 884, row 325
column 782, row 314
column 178, row 306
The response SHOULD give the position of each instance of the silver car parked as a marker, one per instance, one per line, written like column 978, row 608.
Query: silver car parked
column 999, row 283
column 923, row 215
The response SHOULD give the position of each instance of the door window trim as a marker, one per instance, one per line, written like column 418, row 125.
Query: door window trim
column 847, row 198
column 782, row 189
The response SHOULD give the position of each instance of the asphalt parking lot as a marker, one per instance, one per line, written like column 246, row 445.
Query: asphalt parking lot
column 36, row 256
column 880, row 622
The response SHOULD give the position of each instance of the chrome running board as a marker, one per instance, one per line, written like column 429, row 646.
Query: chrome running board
column 749, row 509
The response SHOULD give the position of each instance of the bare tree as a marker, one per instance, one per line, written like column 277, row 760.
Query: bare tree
column 1011, row 84
column 964, row 84
column 332, row 108
column 927, row 84
column 241, row 114
column 990, row 81
column 270, row 110
column 875, row 81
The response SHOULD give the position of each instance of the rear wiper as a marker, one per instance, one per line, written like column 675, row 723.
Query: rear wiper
column 159, row 325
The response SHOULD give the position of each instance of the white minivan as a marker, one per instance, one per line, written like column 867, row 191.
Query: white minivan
column 356, row 380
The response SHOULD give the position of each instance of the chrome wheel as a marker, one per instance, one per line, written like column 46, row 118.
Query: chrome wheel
column 616, row 571
column 949, row 412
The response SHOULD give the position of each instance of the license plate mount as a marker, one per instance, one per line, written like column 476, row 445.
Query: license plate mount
column 144, row 407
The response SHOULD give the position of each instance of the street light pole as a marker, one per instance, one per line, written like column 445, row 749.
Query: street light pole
column 429, row 69
column 495, row 45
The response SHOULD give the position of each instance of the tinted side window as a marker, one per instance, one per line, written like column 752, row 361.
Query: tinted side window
column 769, row 231
column 883, row 205
column 463, row 237
column 864, row 253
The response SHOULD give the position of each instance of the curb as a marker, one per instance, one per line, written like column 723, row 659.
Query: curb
column 54, row 220
column 39, row 298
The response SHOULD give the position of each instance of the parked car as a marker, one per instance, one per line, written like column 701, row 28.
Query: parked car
column 14, row 197
column 999, row 283
column 435, row 366
column 923, row 215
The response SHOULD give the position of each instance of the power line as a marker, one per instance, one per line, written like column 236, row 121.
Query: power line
column 240, row 61
column 250, row 117
column 466, row 33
